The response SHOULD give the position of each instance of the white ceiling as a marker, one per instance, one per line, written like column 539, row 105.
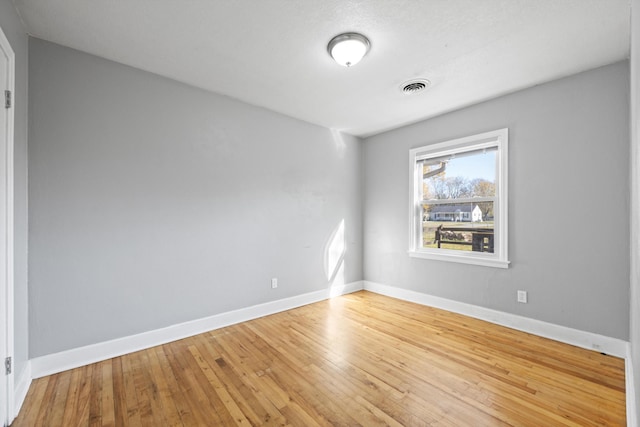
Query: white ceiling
column 272, row 53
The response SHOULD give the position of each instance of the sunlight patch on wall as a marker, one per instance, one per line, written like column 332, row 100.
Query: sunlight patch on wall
column 334, row 258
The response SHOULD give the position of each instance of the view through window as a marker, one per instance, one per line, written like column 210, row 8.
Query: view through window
column 458, row 195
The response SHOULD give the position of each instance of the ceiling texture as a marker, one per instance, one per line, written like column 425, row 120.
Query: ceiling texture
column 273, row 53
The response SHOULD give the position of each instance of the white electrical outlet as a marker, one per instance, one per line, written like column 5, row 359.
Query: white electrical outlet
column 274, row 283
column 522, row 297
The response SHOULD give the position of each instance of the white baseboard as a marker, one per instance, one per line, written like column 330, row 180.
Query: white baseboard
column 613, row 346
column 632, row 408
column 74, row 358
column 21, row 388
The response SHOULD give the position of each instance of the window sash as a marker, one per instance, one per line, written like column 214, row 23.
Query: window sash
column 460, row 201
column 438, row 154
column 456, row 154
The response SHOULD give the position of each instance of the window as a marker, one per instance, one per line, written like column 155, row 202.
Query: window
column 459, row 200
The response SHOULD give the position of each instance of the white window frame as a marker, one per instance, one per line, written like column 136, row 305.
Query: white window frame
column 499, row 258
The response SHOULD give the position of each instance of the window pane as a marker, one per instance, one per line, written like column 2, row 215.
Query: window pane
column 464, row 176
column 458, row 226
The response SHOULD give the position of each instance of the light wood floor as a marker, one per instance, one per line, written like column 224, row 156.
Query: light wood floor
column 361, row 359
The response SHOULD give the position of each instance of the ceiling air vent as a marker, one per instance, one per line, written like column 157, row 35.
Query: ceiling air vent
column 415, row 86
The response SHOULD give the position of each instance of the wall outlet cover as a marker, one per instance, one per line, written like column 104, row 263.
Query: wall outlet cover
column 522, row 296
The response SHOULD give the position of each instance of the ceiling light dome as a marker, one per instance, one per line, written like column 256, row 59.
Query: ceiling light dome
column 349, row 48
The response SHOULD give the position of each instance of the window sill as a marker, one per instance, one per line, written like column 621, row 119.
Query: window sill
column 463, row 259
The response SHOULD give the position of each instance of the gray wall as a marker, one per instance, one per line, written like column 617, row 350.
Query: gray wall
column 12, row 28
column 154, row 203
column 569, row 180
column 635, row 201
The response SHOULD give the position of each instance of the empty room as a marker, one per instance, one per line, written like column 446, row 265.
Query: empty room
column 320, row 213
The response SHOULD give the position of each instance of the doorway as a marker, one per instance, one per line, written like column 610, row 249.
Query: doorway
column 7, row 61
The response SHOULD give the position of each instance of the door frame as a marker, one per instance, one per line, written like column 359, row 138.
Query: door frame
column 7, row 145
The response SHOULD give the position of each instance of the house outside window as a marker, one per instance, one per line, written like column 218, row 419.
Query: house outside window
column 459, row 200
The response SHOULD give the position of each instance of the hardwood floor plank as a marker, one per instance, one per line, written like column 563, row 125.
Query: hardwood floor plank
column 108, row 418
column 360, row 359
column 130, row 394
column 79, row 416
column 119, row 392
column 72, row 397
column 95, row 405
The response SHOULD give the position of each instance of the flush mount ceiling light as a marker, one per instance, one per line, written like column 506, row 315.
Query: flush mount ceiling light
column 349, row 48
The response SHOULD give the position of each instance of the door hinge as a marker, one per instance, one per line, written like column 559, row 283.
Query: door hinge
column 7, row 365
column 7, row 99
